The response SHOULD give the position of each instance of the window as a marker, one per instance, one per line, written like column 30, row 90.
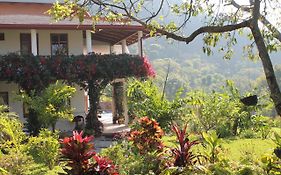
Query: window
column 25, row 44
column 59, row 44
column 4, row 98
column 2, row 36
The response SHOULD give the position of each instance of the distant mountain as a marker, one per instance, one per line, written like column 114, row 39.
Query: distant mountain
column 191, row 68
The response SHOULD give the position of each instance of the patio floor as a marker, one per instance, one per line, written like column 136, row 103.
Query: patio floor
column 110, row 129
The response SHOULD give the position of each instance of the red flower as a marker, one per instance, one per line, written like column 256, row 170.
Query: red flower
column 43, row 60
column 93, row 68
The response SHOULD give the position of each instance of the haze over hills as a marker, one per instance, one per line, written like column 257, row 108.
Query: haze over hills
column 192, row 68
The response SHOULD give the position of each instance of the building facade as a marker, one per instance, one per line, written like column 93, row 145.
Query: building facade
column 26, row 28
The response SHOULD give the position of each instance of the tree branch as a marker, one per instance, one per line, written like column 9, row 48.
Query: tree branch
column 162, row 31
column 276, row 33
column 205, row 29
column 158, row 11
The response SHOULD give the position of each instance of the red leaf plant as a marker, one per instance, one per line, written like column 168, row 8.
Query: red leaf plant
column 183, row 155
column 104, row 166
column 82, row 158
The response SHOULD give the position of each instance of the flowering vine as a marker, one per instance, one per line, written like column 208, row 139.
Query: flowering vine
column 36, row 72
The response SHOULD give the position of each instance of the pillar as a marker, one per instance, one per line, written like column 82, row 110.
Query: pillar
column 119, row 100
column 125, row 105
column 89, row 41
column 140, row 35
column 34, row 42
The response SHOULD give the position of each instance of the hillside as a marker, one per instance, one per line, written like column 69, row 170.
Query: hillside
column 191, row 68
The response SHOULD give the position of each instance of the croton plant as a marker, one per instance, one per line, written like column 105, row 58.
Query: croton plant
column 146, row 137
column 78, row 152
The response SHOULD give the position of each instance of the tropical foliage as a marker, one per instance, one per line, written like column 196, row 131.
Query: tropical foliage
column 50, row 105
column 183, row 154
column 146, row 135
column 82, row 158
column 22, row 155
column 145, row 99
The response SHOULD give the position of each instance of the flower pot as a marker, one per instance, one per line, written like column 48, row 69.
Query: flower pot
column 277, row 152
column 250, row 100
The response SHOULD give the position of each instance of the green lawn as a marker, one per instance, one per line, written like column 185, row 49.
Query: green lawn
column 235, row 149
column 256, row 148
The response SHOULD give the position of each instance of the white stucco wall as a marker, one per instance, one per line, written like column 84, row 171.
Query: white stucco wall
column 76, row 46
column 14, row 105
column 12, row 41
column 76, row 43
column 77, row 102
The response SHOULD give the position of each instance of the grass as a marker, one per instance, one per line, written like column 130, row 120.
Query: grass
column 236, row 149
column 241, row 148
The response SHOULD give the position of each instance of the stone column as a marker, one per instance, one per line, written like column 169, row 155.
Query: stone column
column 140, row 35
column 34, row 42
column 89, row 41
column 119, row 101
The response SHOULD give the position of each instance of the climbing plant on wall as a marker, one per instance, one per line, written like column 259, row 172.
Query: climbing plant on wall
column 92, row 72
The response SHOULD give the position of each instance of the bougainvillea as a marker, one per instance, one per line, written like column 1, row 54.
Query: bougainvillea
column 92, row 72
column 36, row 72
column 147, row 136
column 81, row 157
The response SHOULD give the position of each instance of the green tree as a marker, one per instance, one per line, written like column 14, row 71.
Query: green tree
column 255, row 17
column 145, row 99
column 51, row 104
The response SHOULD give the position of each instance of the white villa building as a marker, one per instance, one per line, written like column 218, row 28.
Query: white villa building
column 25, row 28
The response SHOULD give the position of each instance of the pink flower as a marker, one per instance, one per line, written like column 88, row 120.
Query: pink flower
column 148, row 67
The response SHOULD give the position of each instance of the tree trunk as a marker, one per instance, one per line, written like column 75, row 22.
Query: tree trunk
column 275, row 93
column 118, row 95
column 92, row 122
column 53, row 125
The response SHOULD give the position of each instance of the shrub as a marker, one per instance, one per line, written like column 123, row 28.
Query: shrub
column 262, row 124
column 146, row 136
column 82, row 158
column 19, row 163
column 49, row 105
column 130, row 162
column 218, row 169
column 145, row 99
column 44, row 148
column 248, row 134
column 11, row 134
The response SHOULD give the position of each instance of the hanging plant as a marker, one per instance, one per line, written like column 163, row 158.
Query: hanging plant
column 250, row 100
